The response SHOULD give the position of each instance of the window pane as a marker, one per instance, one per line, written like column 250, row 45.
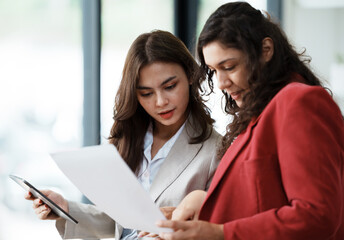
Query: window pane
column 317, row 27
column 122, row 22
column 41, row 105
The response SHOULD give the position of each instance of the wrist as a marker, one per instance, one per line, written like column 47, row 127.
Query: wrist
column 219, row 234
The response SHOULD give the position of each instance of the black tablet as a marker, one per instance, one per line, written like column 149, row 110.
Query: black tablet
column 36, row 193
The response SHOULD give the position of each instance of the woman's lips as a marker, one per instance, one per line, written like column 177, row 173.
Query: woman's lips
column 236, row 95
column 167, row 114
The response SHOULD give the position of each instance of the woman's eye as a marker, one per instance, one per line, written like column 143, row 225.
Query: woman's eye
column 145, row 94
column 171, row 86
column 229, row 68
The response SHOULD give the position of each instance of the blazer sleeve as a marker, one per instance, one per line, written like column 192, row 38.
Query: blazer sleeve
column 92, row 223
column 309, row 136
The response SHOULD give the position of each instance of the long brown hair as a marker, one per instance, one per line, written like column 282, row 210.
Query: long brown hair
column 238, row 25
column 130, row 119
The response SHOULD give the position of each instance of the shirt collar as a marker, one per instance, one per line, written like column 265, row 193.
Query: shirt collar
column 165, row 149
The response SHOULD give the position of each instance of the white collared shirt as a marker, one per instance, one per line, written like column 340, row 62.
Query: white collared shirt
column 150, row 167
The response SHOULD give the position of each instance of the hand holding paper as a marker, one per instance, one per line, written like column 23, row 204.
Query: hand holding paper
column 100, row 173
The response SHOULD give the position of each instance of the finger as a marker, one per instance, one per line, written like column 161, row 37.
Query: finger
column 37, row 203
column 40, row 209
column 152, row 235
column 42, row 212
column 147, row 234
column 166, row 236
column 180, row 234
column 29, row 196
column 142, row 234
column 183, row 214
column 176, row 225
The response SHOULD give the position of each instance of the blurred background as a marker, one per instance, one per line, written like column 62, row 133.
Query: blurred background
column 60, row 66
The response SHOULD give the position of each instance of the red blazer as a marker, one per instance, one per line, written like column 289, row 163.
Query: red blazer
column 283, row 178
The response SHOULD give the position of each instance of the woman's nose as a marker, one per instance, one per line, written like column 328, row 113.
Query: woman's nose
column 161, row 100
column 222, row 80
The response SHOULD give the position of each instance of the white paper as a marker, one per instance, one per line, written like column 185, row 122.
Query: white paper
column 100, row 173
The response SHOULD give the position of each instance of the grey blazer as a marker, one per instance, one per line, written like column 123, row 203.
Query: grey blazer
column 187, row 167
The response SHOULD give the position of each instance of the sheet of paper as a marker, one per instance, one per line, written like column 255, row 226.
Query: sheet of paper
column 103, row 177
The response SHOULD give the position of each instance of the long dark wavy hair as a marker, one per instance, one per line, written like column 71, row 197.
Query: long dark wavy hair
column 240, row 26
column 131, row 121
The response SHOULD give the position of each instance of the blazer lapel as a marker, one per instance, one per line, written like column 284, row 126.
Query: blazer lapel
column 230, row 155
column 179, row 157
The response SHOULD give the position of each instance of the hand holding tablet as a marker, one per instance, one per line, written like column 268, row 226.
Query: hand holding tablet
column 38, row 194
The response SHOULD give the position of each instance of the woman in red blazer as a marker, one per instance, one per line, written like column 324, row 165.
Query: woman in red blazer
column 282, row 174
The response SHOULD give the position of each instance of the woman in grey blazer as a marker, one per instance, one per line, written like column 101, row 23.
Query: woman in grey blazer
column 162, row 129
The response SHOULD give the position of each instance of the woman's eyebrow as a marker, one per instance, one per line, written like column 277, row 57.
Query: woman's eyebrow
column 142, row 87
column 226, row 60
column 162, row 84
column 168, row 80
column 222, row 62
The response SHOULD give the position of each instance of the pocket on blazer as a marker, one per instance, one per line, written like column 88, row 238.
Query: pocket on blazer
column 264, row 178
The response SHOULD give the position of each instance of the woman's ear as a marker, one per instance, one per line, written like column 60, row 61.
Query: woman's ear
column 267, row 49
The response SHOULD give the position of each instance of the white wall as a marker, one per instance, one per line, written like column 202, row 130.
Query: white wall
column 318, row 26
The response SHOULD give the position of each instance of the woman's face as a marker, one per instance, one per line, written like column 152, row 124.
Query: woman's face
column 229, row 68
column 163, row 91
